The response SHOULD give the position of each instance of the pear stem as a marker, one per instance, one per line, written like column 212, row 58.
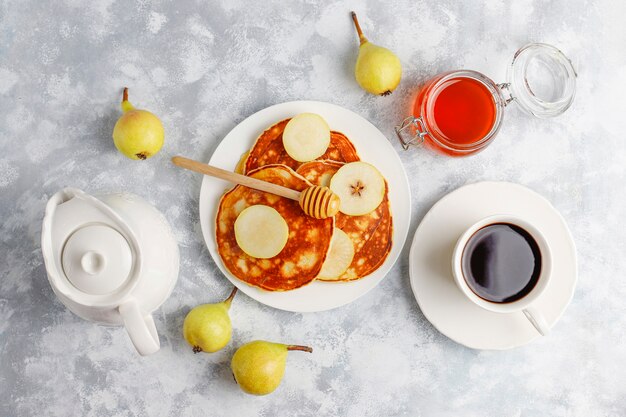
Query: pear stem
column 301, row 348
column 231, row 296
column 362, row 38
column 126, row 104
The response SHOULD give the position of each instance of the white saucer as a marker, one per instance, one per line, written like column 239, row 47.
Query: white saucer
column 372, row 146
column 439, row 298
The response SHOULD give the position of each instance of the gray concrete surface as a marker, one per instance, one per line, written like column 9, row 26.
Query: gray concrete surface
column 205, row 66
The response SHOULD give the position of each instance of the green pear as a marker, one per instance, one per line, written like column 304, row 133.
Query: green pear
column 259, row 366
column 138, row 134
column 378, row 70
column 207, row 327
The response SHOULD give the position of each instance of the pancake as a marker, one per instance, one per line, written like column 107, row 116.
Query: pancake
column 371, row 234
column 268, row 149
column 301, row 259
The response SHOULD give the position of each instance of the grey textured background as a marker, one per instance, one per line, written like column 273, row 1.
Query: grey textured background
column 205, row 66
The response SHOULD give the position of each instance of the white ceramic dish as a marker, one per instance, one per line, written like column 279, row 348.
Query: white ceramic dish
column 372, row 146
column 441, row 301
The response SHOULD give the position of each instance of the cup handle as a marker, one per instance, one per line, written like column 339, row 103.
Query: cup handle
column 140, row 328
column 537, row 319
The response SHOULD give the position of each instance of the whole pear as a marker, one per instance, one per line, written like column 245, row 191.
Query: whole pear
column 378, row 70
column 207, row 327
column 259, row 366
column 138, row 134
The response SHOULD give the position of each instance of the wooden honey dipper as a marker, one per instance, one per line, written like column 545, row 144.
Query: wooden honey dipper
column 316, row 201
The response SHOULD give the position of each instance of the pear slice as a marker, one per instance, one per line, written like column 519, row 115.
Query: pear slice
column 339, row 258
column 261, row 231
column 306, row 137
column 241, row 165
column 360, row 187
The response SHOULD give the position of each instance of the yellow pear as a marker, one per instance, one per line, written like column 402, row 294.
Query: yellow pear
column 138, row 134
column 259, row 366
column 378, row 70
column 207, row 327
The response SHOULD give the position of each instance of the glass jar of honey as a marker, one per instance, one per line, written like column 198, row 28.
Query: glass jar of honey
column 459, row 113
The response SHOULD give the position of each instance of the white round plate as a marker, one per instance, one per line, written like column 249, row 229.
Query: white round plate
column 372, row 146
column 445, row 306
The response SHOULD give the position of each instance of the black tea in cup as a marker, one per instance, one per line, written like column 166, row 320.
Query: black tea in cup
column 501, row 263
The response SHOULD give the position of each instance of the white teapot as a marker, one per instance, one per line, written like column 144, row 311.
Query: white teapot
column 112, row 260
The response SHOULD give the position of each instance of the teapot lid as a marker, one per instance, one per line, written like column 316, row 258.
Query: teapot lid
column 97, row 259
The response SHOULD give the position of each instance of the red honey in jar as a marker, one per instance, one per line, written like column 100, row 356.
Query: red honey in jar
column 464, row 110
column 459, row 113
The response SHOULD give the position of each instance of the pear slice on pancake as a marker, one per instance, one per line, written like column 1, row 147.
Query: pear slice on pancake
column 359, row 186
column 339, row 258
column 261, row 231
column 241, row 165
column 306, row 137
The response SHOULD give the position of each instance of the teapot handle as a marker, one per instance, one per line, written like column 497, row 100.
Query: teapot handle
column 140, row 328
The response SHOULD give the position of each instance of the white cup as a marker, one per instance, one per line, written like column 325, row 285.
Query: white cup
column 524, row 304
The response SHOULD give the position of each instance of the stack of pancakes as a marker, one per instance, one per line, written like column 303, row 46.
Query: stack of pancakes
column 308, row 245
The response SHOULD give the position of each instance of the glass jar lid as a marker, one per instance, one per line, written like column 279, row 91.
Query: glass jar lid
column 542, row 80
